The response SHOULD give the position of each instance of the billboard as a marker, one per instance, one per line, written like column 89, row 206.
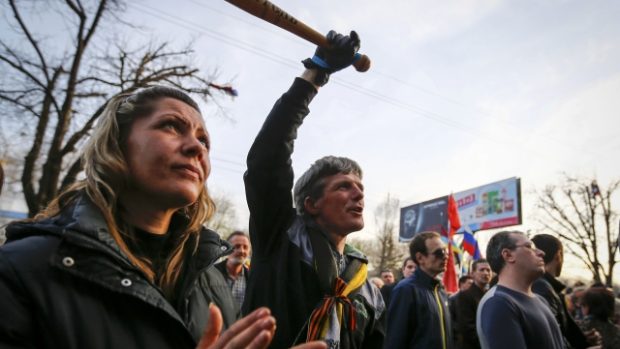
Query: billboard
column 428, row 215
column 493, row 205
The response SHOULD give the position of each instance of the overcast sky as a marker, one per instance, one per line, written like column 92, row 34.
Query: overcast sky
column 460, row 93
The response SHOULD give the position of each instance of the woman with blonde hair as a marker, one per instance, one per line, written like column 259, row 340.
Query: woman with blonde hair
column 121, row 259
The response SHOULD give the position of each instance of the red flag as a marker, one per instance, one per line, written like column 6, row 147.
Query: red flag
column 449, row 277
column 453, row 216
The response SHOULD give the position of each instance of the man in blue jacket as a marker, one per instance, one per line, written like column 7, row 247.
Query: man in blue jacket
column 418, row 313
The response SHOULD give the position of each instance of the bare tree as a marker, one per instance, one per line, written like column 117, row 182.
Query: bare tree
column 580, row 213
column 388, row 252
column 63, row 94
column 224, row 221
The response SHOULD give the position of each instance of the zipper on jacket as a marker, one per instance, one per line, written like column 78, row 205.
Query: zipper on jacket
column 441, row 316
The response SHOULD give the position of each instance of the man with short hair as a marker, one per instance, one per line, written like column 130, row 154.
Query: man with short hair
column 550, row 288
column 467, row 305
column 234, row 268
column 465, row 283
column 510, row 315
column 418, row 315
column 387, row 276
column 406, row 271
column 408, row 268
column 315, row 284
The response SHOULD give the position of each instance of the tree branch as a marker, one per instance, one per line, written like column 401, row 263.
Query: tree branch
column 30, row 38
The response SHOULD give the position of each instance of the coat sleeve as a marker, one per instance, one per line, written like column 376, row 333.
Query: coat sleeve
column 269, row 177
column 400, row 319
column 16, row 322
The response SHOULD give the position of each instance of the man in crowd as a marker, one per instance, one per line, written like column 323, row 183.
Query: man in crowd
column 234, row 268
column 418, row 315
column 302, row 269
column 467, row 305
column 510, row 315
column 550, row 288
column 407, row 269
column 388, row 277
column 465, row 282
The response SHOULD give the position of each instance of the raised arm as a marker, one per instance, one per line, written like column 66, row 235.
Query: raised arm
column 269, row 177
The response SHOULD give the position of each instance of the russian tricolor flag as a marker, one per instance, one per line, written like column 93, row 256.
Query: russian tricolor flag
column 470, row 245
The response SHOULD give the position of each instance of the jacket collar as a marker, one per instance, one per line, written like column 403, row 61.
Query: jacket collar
column 557, row 285
column 298, row 235
column 423, row 278
column 83, row 224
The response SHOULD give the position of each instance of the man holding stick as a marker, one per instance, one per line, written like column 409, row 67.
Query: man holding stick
column 302, row 269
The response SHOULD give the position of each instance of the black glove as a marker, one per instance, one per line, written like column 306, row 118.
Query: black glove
column 342, row 52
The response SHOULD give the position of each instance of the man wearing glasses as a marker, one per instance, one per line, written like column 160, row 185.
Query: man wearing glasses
column 510, row 315
column 418, row 315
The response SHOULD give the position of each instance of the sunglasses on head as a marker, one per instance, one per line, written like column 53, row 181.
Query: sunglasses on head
column 440, row 253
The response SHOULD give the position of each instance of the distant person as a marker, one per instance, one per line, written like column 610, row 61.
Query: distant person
column 598, row 308
column 387, row 276
column 418, row 314
column 467, row 305
column 550, row 288
column 510, row 315
column 465, row 282
column 407, row 270
column 575, row 301
column 234, row 268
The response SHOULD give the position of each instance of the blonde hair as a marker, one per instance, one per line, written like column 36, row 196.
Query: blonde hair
column 107, row 176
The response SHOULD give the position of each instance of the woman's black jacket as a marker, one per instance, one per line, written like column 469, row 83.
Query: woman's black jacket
column 64, row 283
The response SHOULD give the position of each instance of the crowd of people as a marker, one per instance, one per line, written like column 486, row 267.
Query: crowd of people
column 123, row 258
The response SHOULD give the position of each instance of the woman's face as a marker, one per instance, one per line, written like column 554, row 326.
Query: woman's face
column 168, row 155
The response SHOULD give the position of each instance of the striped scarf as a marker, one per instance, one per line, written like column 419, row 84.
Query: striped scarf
column 336, row 310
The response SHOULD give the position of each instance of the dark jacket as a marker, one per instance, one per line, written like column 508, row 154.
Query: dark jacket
column 283, row 276
column 386, row 293
column 550, row 288
column 466, row 307
column 64, row 283
column 221, row 267
column 418, row 315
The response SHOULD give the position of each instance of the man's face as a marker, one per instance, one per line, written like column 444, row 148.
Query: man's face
column 435, row 260
column 241, row 249
column 526, row 257
column 409, row 268
column 482, row 274
column 340, row 210
column 387, row 277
